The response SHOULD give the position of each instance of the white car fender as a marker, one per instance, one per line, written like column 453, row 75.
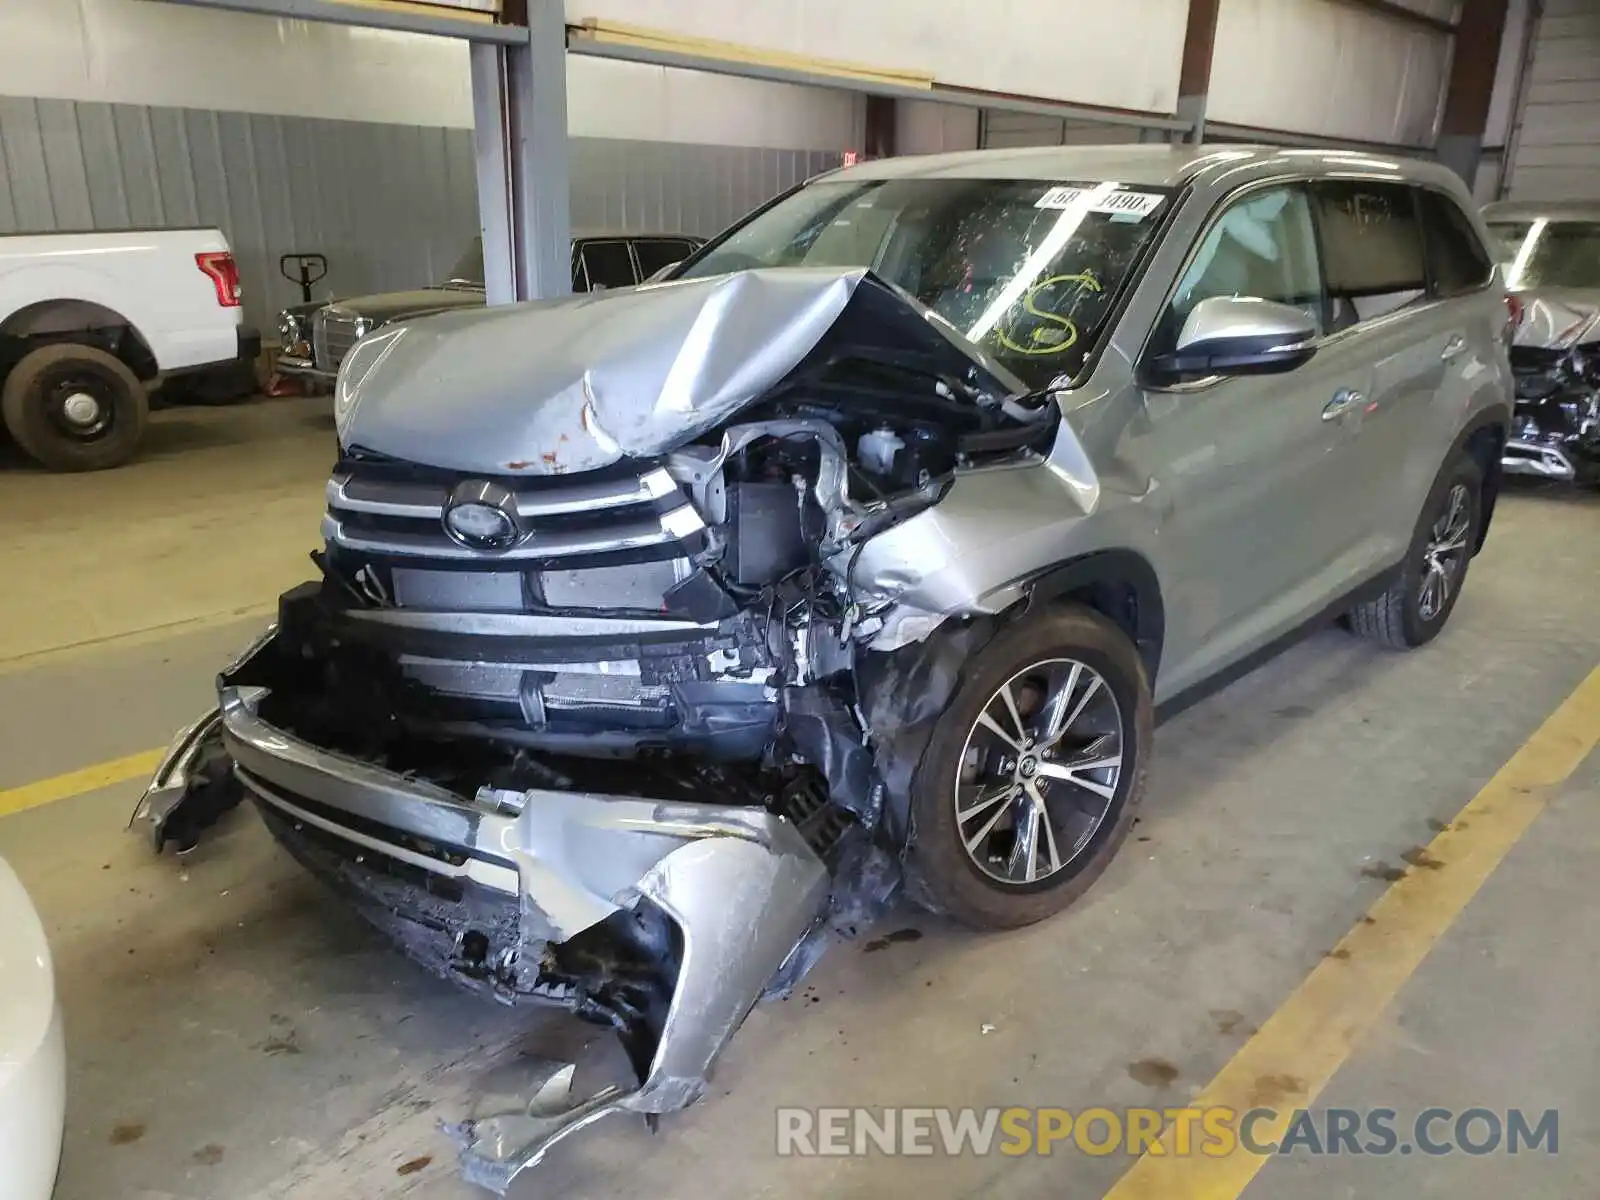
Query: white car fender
column 46, row 282
column 32, row 1053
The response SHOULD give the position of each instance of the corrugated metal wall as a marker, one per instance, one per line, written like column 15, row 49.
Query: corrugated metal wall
column 1557, row 145
column 391, row 206
column 1006, row 129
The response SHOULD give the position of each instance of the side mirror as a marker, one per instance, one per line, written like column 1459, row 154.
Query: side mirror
column 1240, row 335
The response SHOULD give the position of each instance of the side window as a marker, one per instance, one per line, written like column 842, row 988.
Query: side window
column 1371, row 249
column 656, row 253
column 580, row 277
column 1262, row 245
column 1457, row 260
column 609, row 264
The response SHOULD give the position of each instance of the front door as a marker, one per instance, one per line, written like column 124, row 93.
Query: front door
column 1251, row 500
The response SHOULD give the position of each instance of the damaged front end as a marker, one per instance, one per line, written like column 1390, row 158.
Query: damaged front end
column 1556, row 363
column 609, row 691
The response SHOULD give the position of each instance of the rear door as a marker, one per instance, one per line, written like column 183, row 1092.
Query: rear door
column 1461, row 271
column 1384, row 309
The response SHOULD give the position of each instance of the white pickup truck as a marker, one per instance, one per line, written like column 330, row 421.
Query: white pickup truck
column 89, row 322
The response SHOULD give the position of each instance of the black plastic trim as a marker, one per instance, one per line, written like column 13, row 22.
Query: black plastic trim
column 1111, row 567
column 1376, row 585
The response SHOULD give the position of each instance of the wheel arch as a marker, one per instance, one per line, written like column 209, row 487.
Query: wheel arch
column 1120, row 585
column 1484, row 440
column 66, row 319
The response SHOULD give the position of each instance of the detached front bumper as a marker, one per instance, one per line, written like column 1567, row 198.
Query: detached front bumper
column 741, row 885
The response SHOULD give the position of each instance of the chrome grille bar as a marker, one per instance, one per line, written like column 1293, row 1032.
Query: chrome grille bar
column 426, row 500
column 404, row 518
column 422, row 544
column 333, row 332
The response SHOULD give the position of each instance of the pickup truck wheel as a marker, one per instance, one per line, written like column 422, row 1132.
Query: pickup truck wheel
column 74, row 407
column 1422, row 596
column 1033, row 773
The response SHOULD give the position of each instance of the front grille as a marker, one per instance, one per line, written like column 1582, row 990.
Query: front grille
column 333, row 332
column 376, row 511
column 565, row 632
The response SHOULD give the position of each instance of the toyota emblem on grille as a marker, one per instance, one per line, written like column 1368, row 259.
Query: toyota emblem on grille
column 481, row 515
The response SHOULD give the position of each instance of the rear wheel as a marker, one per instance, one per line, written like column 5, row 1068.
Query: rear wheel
column 74, row 407
column 1421, row 598
column 1033, row 773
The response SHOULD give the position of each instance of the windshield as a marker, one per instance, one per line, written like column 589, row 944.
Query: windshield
column 1028, row 270
column 1544, row 253
column 468, row 271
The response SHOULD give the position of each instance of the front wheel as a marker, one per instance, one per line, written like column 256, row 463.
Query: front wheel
column 1033, row 773
column 1424, row 593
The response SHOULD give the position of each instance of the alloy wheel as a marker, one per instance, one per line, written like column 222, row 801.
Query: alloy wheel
column 1445, row 556
column 1038, row 775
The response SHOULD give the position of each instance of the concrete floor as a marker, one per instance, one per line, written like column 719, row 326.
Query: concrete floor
column 234, row 1033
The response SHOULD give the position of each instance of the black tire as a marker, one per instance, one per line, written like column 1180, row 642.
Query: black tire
column 35, row 405
column 943, row 874
column 1399, row 619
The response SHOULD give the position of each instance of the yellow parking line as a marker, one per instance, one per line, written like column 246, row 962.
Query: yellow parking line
column 75, row 783
column 1298, row 1049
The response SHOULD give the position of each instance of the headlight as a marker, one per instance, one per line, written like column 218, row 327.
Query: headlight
column 362, row 360
column 291, row 332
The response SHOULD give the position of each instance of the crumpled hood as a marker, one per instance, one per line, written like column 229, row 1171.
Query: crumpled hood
column 1559, row 318
column 576, row 384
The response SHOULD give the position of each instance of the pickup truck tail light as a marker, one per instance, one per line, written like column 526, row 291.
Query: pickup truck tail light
column 223, row 272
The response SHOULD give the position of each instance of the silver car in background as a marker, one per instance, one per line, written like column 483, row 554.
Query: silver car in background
column 1551, row 254
column 665, row 633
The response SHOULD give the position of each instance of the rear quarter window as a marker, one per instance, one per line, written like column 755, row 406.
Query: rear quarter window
column 609, row 264
column 656, row 254
column 1457, row 260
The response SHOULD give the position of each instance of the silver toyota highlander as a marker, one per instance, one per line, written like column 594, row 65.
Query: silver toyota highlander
column 664, row 634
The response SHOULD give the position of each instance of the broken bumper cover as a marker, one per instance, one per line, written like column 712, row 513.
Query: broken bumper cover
column 173, row 781
column 741, row 884
column 1571, row 461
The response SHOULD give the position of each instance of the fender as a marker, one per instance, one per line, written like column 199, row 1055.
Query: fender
column 46, row 283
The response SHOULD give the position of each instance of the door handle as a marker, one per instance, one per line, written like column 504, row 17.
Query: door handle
column 1453, row 348
column 1343, row 401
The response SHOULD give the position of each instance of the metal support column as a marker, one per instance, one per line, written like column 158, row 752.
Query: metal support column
column 1471, row 89
column 519, row 113
column 1194, row 73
